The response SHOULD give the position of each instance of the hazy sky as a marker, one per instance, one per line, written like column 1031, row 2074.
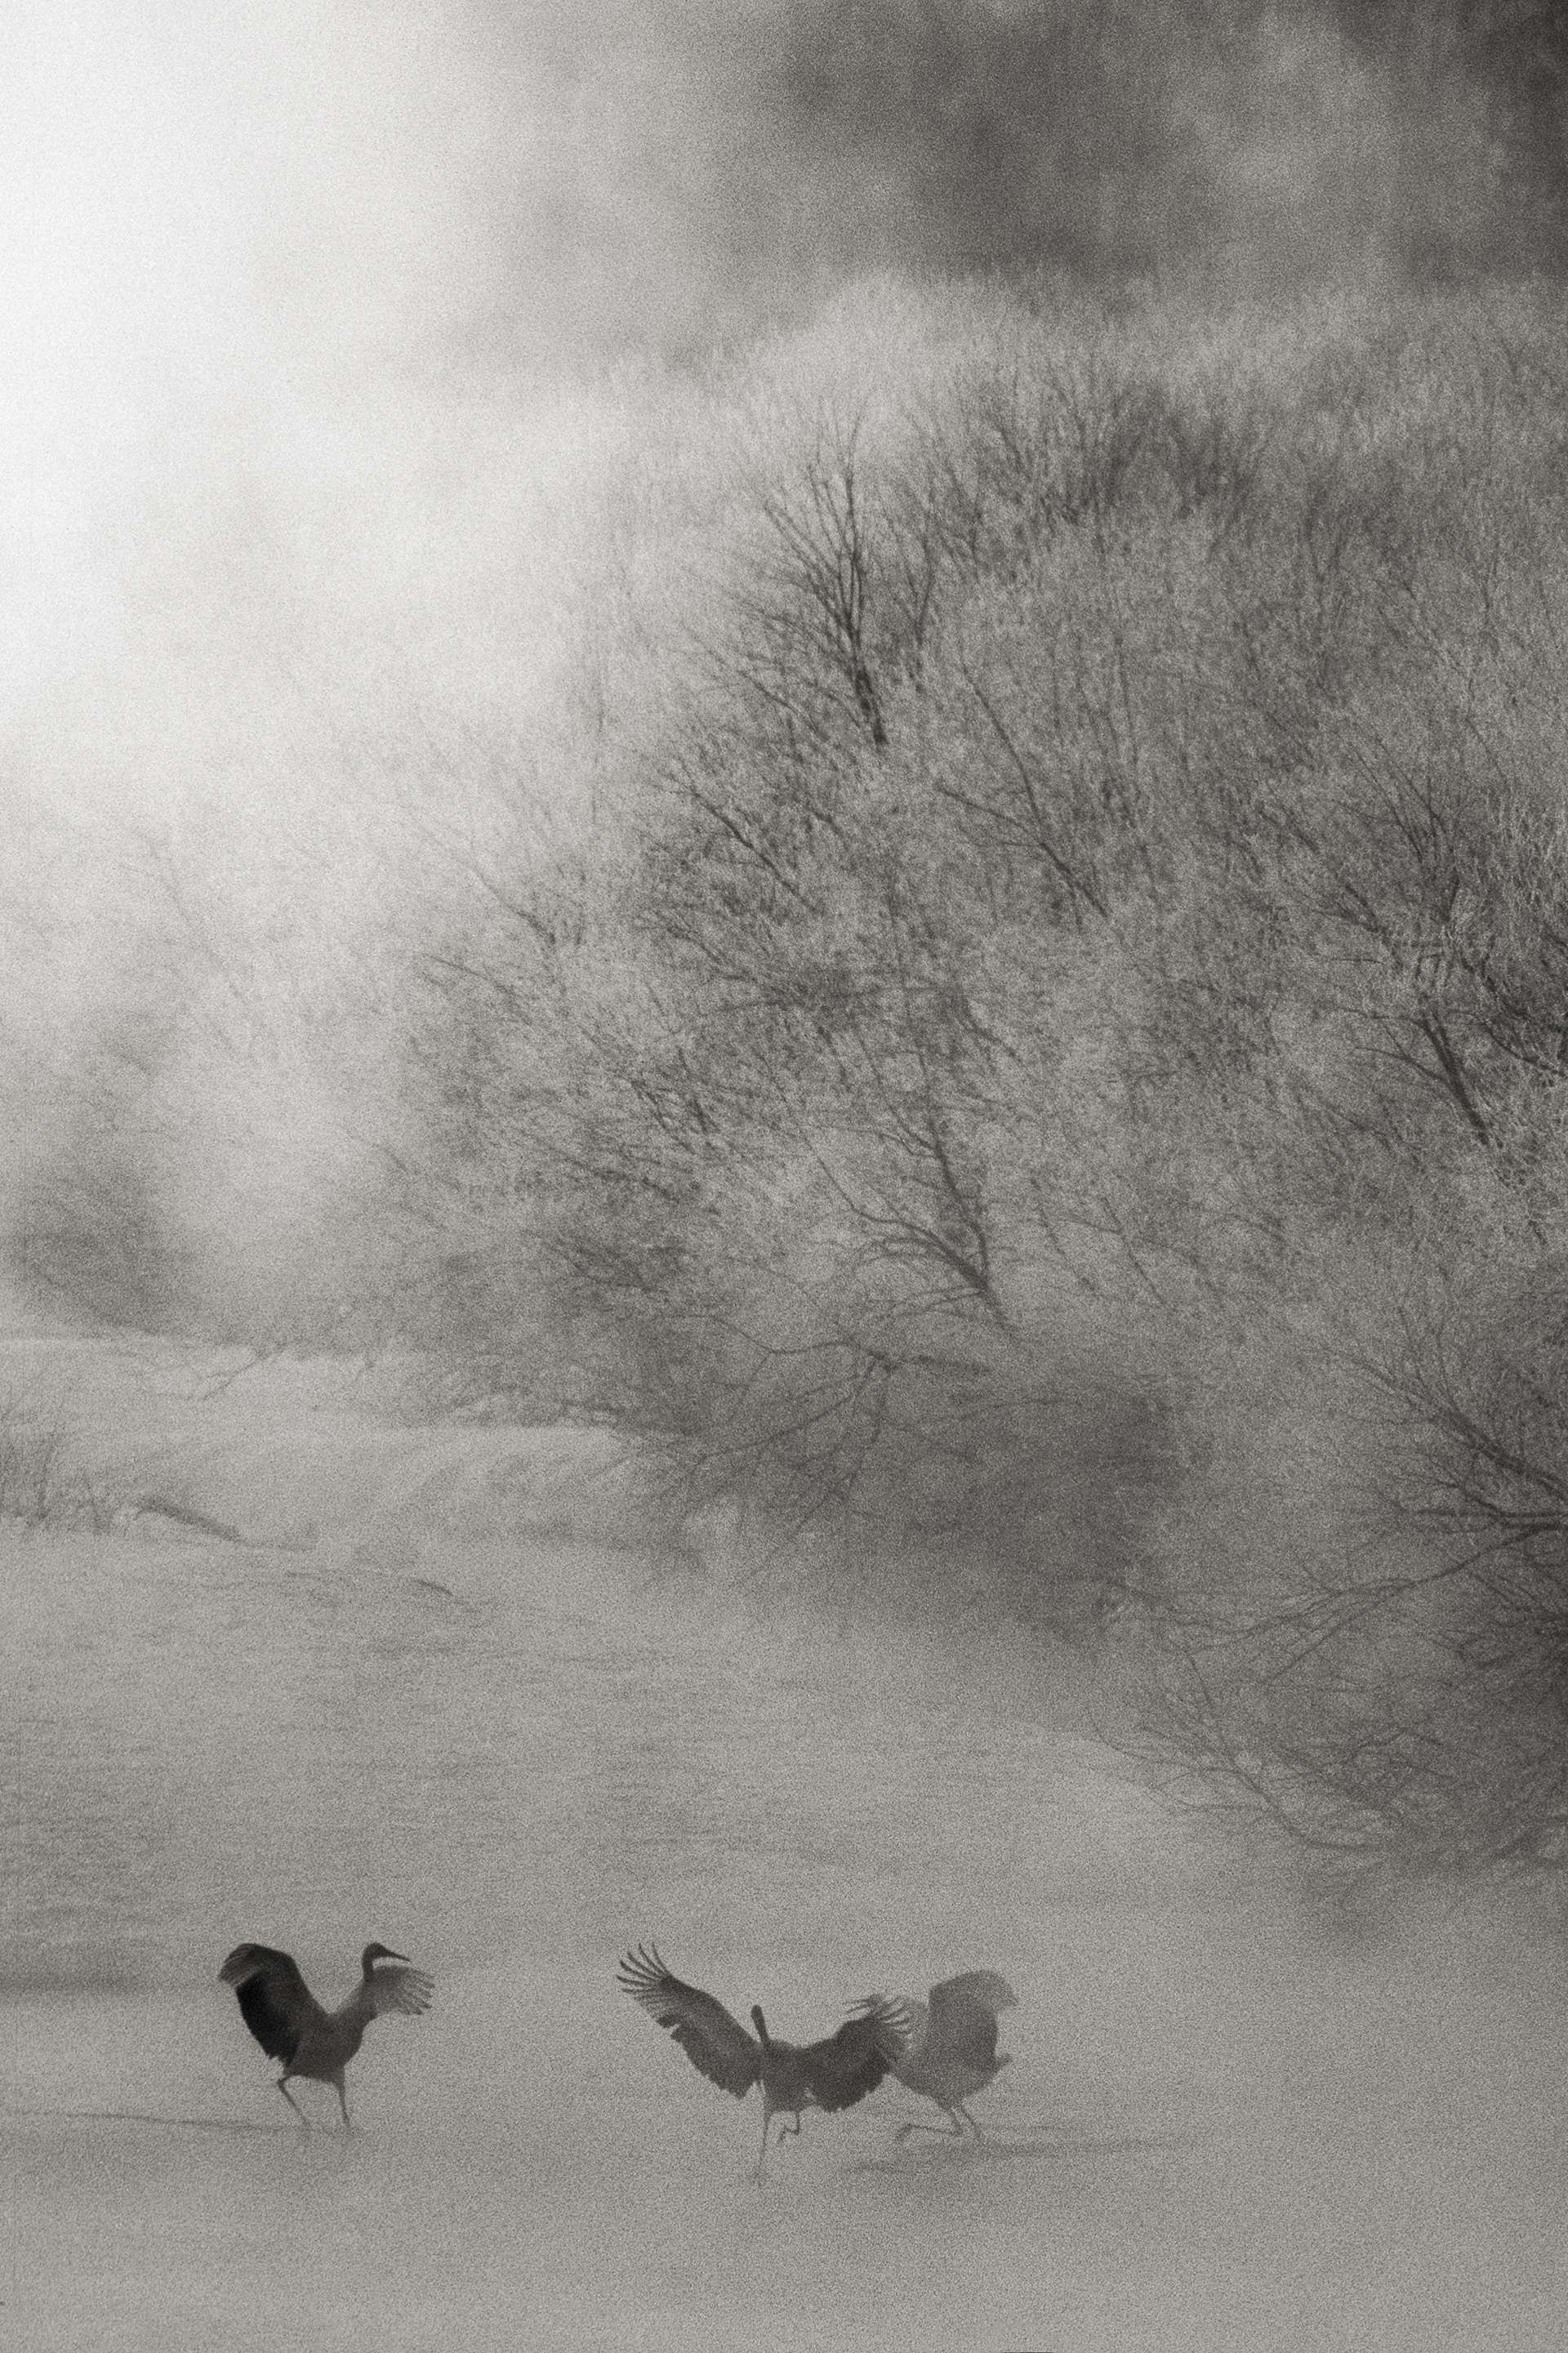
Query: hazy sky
column 259, row 260
column 218, row 223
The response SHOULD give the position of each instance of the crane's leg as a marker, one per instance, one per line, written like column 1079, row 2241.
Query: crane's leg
column 767, row 2119
column 969, row 2120
column 793, row 2130
column 343, row 2100
column 944, row 2132
column 293, row 2103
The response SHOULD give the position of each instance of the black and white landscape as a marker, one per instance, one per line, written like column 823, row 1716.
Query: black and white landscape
column 782, row 957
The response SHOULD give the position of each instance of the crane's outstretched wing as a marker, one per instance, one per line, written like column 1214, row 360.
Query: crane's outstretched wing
column 963, row 2020
column 399, row 1987
column 983, row 1987
column 963, row 2016
column 853, row 2062
column 716, row 2044
column 274, row 1999
column 901, row 2010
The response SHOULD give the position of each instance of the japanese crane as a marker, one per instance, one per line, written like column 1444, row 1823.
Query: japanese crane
column 948, row 2052
column 832, row 2073
column 290, row 2024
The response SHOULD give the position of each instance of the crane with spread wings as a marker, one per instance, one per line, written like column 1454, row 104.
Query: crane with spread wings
column 292, row 2026
column 949, row 2050
column 832, row 2073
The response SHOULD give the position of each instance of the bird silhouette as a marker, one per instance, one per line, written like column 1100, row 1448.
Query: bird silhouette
column 948, row 2052
column 290, row 2024
column 833, row 2074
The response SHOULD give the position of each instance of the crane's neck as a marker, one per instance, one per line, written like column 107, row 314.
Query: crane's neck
column 359, row 2008
column 759, row 2022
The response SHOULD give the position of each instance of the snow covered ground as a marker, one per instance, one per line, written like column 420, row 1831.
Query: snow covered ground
column 437, row 1698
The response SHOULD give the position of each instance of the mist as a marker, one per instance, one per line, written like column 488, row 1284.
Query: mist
column 352, row 356
column 314, row 316
column 282, row 290
column 397, row 401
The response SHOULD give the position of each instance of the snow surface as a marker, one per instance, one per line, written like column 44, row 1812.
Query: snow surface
column 437, row 1696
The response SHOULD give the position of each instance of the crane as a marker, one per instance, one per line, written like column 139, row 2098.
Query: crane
column 832, row 2073
column 949, row 2050
column 290, row 2024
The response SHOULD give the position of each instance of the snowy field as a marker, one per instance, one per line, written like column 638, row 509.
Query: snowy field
column 439, row 1697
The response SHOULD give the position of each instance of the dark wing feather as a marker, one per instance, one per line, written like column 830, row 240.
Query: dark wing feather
column 906, row 2018
column 716, row 2044
column 853, row 2062
column 274, row 1999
